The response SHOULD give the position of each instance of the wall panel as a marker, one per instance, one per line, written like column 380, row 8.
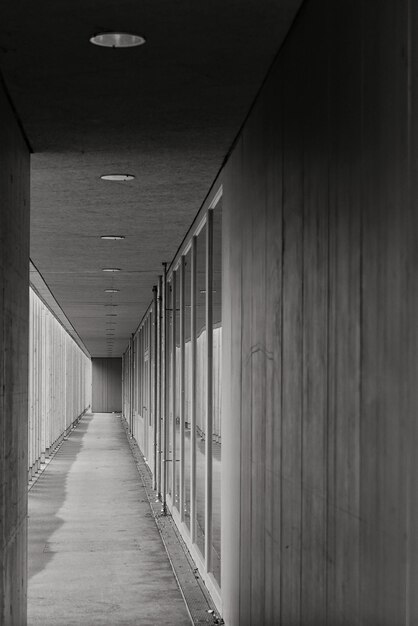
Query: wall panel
column 14, row 311
column 107, row 385
column 318, row 360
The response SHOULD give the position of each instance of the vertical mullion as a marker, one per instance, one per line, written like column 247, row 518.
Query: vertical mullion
column 30, row 394
column 132, row 372
column 150, row 357
column 193, row 395
column 155, row 395
column 38, row 384
column 174, row 394
column 209, row 398
column 182, row 386
column 159, row 387
column 164, row 382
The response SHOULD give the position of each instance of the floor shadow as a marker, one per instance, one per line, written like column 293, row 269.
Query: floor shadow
column 47, row 496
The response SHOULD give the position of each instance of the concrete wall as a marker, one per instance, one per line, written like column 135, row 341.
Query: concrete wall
column 319, row 508
column 107, row 385
column 14, row 313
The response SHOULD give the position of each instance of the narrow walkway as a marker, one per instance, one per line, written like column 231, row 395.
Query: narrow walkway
column 95, row 554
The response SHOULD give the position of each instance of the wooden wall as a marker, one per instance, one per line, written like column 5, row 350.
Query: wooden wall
column 320, row 500
column 14, row 342
column 107, row 385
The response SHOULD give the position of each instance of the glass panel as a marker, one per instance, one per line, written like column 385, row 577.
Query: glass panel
column 177, row 387
column 169, row 455
column 187, row 383
column 201, row 360
column 217, row 391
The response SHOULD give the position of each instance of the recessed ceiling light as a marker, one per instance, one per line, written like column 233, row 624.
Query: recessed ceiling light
column 111, row 269
column 117, row 177
column 111, row 305
column 117, row 40
column 112, row 237
column 111, row 314
column 111, row 290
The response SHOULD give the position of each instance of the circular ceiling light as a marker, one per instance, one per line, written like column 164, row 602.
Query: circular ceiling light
column 111, row 290
column 117, row 40
column 117, row 177
column 112, row 237
column 111, row 269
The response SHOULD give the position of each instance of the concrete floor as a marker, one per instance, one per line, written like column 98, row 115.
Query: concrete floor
column 95, row 554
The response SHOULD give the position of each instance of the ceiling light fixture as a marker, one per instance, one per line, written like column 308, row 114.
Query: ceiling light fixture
column 111, row 314
column 117, row 177
column 112, row 237
column 111, row 305
column 111, row 269
column 117, row 40
column 112, row 290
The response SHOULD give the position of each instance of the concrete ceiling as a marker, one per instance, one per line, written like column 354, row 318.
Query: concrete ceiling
column 166, row 112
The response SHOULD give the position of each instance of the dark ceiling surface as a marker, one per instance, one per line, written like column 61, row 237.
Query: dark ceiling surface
column 166, row 112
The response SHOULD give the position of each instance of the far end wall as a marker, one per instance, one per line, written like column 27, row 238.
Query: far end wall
column 107, row 385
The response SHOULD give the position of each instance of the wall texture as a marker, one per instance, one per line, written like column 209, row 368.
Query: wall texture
column 14, row 314
column 320, row 520
column 107, row 385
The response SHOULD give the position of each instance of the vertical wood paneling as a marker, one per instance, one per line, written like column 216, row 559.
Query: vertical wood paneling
column 14, row 324
column 411, row 345
column 383, row 287
column 320, row 307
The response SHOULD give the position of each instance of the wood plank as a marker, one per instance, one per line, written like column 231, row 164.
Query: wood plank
column 292, row 346
column 411, row 345
column 385, row 141
column 344, row 322
column 273, row 163
column 315, row 336
column 231, row 398
column 254, row 194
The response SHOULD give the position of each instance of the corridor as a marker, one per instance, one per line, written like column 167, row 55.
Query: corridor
column 95, row 553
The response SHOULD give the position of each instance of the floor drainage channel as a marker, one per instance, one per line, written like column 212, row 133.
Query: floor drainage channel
column 198, row 601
